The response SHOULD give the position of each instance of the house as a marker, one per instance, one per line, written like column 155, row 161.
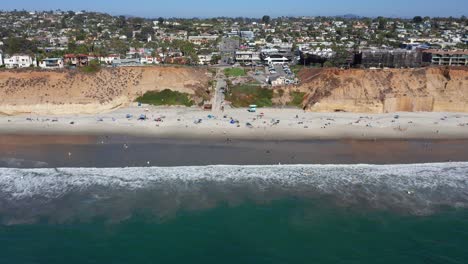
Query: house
column 446, row 58
column 203, row 39
column 277, row 81
column 391, row 58
column 249, row 35
column 19, row 61
column 78, row 60
column 148, row 60
column 176, row 60
column 247, row 56
column 204, row 59
column 109, row 59
column 126, row 62
column 51, row 63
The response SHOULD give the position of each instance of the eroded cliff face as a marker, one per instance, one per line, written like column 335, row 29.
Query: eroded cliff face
column 383, row 91
column 73, row 92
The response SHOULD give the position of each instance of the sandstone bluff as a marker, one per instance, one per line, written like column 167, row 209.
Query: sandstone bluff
column 386, row 90
column 326, row 90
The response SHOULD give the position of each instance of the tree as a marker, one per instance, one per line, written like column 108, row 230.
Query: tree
column 463, row 19
column 161, row 20
column 145, row 32
column 327, row 64
column 20, row 45
column 118, row 46
column 121, row 22
column 215, row 59
column 382, row 23
column 71, row 46
column 128, row 33
column 266, row 19
column 417, row 19
column 269, row 38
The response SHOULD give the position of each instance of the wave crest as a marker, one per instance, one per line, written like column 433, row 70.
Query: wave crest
column 415, row 188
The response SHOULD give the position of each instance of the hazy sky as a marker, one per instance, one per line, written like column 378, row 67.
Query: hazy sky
column 250, row 8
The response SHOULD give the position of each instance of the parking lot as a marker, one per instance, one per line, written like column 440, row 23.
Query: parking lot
column 263, row 74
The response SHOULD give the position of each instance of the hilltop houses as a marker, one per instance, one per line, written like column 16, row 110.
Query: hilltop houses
column 76, row 60
column 51, row 63
column 73, row 39
column 19, row 61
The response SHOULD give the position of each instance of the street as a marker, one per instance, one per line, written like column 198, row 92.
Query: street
column 218, row 97
column 227, row 48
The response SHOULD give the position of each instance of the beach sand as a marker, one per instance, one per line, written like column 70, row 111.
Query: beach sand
column 269, row 124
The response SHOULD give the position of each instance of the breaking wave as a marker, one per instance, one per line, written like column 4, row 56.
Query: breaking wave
column 26, row 194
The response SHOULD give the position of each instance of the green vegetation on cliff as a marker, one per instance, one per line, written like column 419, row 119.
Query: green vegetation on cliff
column 165, row 97
column 243, row 95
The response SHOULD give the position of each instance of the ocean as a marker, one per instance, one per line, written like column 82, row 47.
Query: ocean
column 269, row 213
column 414, row 213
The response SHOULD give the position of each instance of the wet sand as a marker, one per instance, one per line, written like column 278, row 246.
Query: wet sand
column 19, row 151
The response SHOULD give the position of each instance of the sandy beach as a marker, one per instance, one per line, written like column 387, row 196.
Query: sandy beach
column 272, row 124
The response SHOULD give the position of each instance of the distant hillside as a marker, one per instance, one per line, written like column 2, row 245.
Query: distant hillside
column 349, row 16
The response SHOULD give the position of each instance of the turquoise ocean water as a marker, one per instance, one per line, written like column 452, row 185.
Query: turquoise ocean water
column 236, row 214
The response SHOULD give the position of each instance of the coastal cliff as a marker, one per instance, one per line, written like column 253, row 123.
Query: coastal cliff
column 384, row 91
column 325, row 90
column 73, row 91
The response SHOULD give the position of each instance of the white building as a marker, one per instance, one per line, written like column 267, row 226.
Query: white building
column 277, row 81
column 51, row 63
column 109, row 59
column 1, row 59
column 204, row 59
column 247, row 56
column 198, row 40
column 19, row 61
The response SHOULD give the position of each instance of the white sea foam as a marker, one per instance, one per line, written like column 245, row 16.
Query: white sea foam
column 415, row 186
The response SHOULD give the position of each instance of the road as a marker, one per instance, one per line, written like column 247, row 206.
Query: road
column 227, row 48
column 218, row 97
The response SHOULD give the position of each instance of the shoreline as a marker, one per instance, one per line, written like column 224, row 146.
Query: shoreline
column 19, row 151
column 274, row 124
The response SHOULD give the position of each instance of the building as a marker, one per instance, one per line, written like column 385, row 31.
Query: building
column 51, row 63
column 446, row 58
column 19, row 61
column 148, row 60
column 78, row 60
column 1, row 58
column 277, row 81
column 248, row 35
column 316, row 55
column 109, row 59
column 198, row 40
column 126, row 62
column 388, row 58
column 204, row 59
column 247, row 56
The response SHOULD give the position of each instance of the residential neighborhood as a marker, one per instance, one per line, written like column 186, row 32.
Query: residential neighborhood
column 68, row 39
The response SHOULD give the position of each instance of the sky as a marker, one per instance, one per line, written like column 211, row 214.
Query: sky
column 250, row 8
